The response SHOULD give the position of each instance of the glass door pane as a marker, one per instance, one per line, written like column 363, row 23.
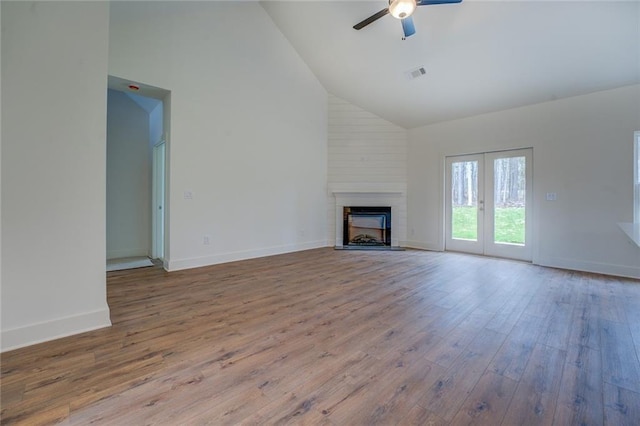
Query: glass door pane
column 464, row 200
column 509, row 200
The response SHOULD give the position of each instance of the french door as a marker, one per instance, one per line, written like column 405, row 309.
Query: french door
column 488, row 201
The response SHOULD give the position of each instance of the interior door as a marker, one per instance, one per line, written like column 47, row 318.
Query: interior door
column 158, row 184
column 489, row 204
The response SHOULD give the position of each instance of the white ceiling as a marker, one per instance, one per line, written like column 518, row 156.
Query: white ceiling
column 480, row 56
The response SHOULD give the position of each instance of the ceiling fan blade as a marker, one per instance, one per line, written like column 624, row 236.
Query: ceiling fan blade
column 430, row 2
column 408, row 27
column 371, row 19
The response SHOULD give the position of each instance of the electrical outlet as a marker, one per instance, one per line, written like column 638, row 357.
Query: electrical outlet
column 188, row 195
column 206, row 240
column 552, row 196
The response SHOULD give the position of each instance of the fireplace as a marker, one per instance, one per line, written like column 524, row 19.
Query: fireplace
column 366, row 226
column 354, row 195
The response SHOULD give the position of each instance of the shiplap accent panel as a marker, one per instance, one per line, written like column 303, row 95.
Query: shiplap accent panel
column 368, row 154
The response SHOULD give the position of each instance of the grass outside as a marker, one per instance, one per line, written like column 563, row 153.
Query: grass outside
column 509, row 224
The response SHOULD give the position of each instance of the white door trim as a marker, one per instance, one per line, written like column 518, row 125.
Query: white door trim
column 485, row 244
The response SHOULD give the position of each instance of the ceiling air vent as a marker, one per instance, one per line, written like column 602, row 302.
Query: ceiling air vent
column 415, row 73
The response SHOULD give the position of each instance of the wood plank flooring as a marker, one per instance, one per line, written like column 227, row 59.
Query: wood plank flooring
column 343, row 338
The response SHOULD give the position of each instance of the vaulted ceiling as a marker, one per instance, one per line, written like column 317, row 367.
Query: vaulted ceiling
column 479, row 56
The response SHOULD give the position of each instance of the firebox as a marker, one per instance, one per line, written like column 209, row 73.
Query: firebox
column 367, row 226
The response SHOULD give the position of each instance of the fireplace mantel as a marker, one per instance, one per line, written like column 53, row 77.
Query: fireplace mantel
column 367, row 189
column 369, row 193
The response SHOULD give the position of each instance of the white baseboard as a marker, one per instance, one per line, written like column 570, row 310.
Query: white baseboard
column 586, row 266
column 555, row 262
column 130, row 252
column 421, row 245
column 177, row 265
column 51, row 330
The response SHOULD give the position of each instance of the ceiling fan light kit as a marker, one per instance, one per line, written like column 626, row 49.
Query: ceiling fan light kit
column 401, row 9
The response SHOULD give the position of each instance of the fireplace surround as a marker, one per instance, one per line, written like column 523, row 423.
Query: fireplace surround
column 370, row 195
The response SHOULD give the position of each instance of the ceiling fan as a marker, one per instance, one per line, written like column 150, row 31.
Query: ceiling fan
column 402, row 9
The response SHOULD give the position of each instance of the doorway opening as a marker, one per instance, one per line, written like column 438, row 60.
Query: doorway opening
column 488, row 204
column 138, row 117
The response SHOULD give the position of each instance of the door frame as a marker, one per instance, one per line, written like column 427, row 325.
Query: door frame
column 163, row 95
column 485, row 244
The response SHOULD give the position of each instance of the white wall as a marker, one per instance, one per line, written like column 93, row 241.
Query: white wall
column 128, row 178
column 248, row 127
column 582, row 150
column 366, row 154
column 0, row 189
column 54, row 68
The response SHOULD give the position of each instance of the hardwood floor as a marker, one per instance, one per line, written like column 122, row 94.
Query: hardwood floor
column 343, row 338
